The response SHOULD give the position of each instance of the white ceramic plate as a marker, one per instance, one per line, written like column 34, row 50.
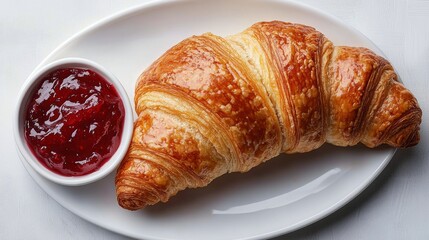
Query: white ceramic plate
column 280, row 196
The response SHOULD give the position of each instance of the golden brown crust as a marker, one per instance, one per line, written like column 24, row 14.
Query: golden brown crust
column 202, row 67
column 213, row 105
column 166, row 156
column 295, row 52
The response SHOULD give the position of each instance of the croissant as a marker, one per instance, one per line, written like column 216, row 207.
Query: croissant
column 213, row 105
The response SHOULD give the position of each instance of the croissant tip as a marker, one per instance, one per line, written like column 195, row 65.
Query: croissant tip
column 406, row 138
column 130, row 203
column 413, row 139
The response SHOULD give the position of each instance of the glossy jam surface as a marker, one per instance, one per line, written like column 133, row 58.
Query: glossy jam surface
column 74, row 121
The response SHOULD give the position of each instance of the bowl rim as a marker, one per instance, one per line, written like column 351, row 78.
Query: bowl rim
column 18, row 126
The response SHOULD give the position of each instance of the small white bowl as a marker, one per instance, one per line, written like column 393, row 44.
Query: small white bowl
column 18, row 124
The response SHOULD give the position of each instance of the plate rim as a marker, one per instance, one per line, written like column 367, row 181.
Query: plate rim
column 157, row 3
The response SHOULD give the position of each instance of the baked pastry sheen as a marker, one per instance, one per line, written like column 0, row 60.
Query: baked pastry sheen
column 212, row 105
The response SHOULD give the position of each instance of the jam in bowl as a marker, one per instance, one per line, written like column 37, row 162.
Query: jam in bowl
column 74, row 121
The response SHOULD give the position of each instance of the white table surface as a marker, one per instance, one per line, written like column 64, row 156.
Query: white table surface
column 393, row 207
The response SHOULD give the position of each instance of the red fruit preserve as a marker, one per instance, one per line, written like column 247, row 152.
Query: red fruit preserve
column 74, row 121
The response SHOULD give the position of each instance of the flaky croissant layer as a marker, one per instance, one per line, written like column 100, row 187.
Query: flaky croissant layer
column 212, row 105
